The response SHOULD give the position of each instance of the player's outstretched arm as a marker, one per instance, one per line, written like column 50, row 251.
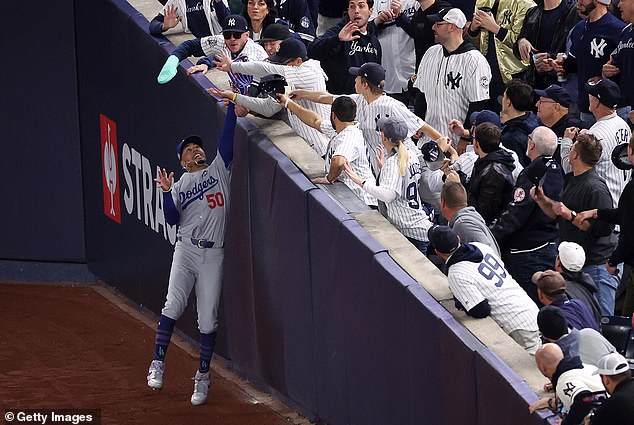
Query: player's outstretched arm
column 309, row 118
column 313, row 96
column 225, row 147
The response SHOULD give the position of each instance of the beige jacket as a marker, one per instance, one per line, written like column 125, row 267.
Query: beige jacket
column 510, row 16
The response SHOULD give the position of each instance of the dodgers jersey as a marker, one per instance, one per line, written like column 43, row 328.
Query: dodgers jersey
column 472, row 283
column 202, row 200
column 406, row 212
column 349, row 144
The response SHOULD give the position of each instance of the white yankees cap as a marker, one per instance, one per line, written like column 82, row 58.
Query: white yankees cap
column 453, row 16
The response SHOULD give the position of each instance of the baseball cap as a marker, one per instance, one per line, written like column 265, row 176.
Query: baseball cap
column 550, row 282
column 478, row 117
column 392, row 128
column 444, row 239
column 452, row 15
column 612, row 364
column 572, row 256
column 373, row 72
column 290, row 49
column 274, row 32
column 433, row 156
column 607, row 91
column 235, row 23
column 551, row 322
column 620, row 159
column 186, row 141
column 556, row 93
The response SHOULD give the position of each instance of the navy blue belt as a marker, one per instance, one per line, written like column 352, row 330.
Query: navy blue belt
column 200, row 243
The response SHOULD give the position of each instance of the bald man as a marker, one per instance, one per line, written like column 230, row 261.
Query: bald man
column 572, row 381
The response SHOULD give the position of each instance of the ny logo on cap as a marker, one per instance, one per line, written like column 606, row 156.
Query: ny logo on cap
column 232, row 22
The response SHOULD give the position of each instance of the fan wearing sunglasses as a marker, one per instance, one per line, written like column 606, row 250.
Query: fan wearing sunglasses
column 234, row 41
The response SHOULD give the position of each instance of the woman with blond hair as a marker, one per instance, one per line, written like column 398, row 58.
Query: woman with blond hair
column 398, row 184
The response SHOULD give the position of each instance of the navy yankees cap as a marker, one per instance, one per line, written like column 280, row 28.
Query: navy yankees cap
column 235, row 23
column 556, row 93
column 478, row 117
column 290, row 49
column 392, row 128
column 444, row 239
column 186, row 141
column 373, row 72
column 607, row 91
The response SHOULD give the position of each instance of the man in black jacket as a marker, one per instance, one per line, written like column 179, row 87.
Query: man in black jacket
column 526, row 235
column 351, row 43
column 517, row 118
column 542, row 36
column 585, row 190
column 491, row 185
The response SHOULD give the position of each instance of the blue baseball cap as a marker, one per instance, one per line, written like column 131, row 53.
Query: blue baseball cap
column 479, row 117
column 290, row 49
column 556, row 93
column 235, row 23
column 444, row 239
column 607, row 91
column 371, row 71
column 186, row 141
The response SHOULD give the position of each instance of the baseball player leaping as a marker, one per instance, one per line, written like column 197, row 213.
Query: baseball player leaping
column 198, row 203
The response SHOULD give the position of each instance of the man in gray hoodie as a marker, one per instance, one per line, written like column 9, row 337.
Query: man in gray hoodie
column 463, row 219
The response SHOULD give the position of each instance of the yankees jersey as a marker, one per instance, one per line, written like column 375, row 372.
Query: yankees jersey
column 450, row 81
column 473, row 282
column 202, row 200
column 399, row 55
column 385, row 106
column 574, row 381
column 214, row 44
column 591, row 45
column 349, row 144
column 309, row 76
column 610, row 131
column 406, row 212
column 624, row 60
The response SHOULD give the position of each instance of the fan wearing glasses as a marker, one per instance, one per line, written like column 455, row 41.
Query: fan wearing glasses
column 234, row 41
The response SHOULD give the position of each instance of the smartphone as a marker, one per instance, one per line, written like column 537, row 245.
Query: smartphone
column 485, row 9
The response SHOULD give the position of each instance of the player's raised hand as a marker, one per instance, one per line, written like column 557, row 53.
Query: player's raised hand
column 164, row 180
column 223, row 61
column 348, row 31
column 197, row 68
column 170, row 17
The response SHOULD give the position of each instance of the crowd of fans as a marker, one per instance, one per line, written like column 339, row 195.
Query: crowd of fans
column 494, row 134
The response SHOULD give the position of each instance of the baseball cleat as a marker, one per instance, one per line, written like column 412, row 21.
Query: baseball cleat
column 155, row 375
column 202, row 381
